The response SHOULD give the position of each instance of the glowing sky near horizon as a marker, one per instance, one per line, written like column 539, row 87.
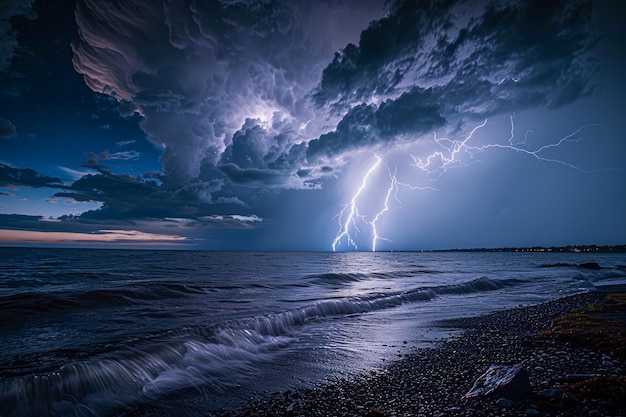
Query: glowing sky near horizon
column 339, row 125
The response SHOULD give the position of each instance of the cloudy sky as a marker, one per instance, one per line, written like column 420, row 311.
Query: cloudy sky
column 312, row 125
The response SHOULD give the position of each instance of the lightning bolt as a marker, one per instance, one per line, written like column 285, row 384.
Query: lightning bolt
column 511, row 117
column 441, row 160
column 537, row 152
column 449, row 153
column 393, row 188
column 348, row 214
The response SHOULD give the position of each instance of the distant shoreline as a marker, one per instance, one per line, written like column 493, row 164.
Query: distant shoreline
column 556, row 249
column 588, row 249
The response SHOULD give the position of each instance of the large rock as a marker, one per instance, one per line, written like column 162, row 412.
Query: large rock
column 506, row 381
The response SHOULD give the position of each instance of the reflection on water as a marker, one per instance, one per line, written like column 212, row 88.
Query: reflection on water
column 91, row 332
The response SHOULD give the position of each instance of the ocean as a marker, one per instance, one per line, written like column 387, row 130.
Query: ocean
column 131, row 332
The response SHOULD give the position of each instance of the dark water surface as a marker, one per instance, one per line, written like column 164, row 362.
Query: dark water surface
column 104, row 332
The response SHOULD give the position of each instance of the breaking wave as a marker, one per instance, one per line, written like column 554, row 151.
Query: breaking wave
column 148, row 368
column 335, row 279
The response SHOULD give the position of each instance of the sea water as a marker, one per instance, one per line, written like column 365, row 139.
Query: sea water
column 112, row 332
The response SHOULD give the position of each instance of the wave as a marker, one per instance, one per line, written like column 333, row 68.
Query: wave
column 280, row 323
column 332, row 278
column 147, row 368
column 142, row 374
column 337, row 278
column 23, row 305
column 606, row 274
column 586, row 265
column 591, row 271
column 478, row 285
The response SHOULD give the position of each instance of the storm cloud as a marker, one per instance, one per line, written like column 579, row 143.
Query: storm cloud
column 128, row 198
column 12, row 178
column 8, row 36
column 246, row 95
column 477, row 56
column 198, row 70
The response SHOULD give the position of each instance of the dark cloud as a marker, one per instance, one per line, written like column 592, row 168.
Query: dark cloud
column 128, row 198
column 414, row 113
column 44, row 224
column 167, row 230
column 7, row 129
column 8, row 35
column 254, row 177
column 260, row 157
column 122, row 196
column 11, row 177
column 256, row 157
column 250, row 146
column 245, row 96
column 94, row 156
column 246, row 87
column 197, row 70
column 92, row 163
column 478, row 57
column 19, row 222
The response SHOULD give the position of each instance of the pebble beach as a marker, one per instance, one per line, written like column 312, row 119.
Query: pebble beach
column 568, row 377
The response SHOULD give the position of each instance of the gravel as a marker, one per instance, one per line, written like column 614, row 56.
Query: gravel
column 431, row 381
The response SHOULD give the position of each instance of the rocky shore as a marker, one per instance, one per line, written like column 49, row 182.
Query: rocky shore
column 567, row 377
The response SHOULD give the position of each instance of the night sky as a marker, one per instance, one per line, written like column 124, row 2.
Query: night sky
column 312, row 125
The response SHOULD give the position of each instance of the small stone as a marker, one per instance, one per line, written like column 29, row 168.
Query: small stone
column 578, row 377
column 607, row 363
column 595, row 413
column 532, row 412
column 551, row 393
column 504, row 403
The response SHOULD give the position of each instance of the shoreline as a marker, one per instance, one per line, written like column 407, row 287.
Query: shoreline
column 432, row 381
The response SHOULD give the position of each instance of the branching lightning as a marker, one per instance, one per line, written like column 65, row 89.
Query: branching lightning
column 440, row 161
column 348, row 214
column 536, row 153
column 393, row 188
column 449, row 153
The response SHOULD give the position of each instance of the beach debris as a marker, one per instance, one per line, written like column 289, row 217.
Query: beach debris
column 598, row 325
column 511, row 381
column 601, row 388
